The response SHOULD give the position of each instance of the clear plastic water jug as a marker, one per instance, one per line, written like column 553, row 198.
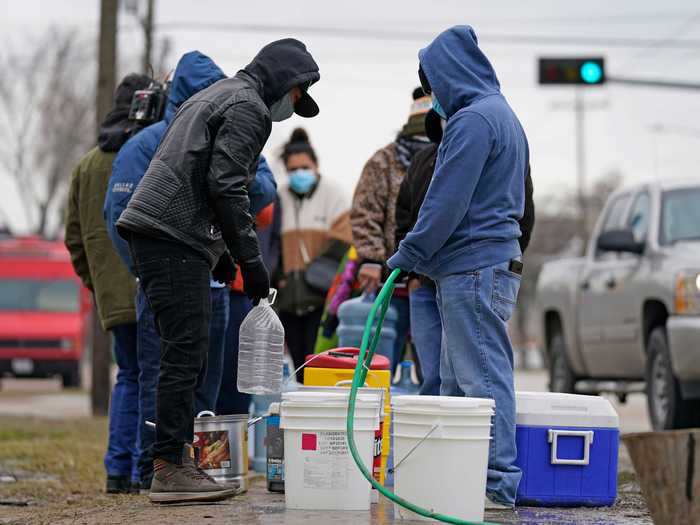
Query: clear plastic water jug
column 261, row 350
column 353, row 314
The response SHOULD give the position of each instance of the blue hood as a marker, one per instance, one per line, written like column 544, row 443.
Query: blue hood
column 458, row 72
column 194, row 72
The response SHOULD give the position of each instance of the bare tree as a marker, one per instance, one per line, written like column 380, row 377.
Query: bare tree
column 46, row 118
column 163, row 64
column 155, row 56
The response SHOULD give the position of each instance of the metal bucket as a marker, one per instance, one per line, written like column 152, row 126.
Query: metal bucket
column 222, row 446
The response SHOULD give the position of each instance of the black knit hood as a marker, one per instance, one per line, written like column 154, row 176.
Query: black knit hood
column 116, row 128
column 280, row 66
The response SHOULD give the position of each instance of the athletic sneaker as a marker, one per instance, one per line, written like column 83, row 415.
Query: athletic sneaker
column 186, row 483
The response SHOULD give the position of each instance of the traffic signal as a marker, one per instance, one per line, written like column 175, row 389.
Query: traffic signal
column 581, row 71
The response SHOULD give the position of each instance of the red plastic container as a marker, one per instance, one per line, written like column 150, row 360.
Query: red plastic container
column 344, row 358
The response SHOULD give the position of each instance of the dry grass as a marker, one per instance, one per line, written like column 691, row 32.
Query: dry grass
column 70, row 452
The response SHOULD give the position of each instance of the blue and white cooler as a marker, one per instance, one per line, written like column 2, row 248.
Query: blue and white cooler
column 567, row 449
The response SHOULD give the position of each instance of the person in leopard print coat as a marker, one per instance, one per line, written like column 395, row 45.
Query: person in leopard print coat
column 374, row 208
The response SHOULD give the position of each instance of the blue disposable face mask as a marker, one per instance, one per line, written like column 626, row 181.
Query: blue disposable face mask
column 302, row 181
column 282, row 109
column 438, row 108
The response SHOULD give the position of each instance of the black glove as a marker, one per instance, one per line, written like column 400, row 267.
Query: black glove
column 225, row 269
column 256, row 280
column 403, row 277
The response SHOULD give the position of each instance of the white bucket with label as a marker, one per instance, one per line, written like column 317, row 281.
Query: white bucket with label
column 320, row 473
column 378, row 435
column 441, row 451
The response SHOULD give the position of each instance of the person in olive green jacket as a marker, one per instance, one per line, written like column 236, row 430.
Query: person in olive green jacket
column 114, row 288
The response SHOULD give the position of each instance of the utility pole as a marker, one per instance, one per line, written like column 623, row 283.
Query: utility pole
column 107, row 58
column 106, row 84
column 579, row 112
column 147, row 24
column 580, row 106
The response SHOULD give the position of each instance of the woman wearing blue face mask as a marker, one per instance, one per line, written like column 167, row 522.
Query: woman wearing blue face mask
column 315, row 236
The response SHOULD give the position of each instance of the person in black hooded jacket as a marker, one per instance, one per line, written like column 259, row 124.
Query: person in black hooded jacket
column 426, row 327
column 189, row 215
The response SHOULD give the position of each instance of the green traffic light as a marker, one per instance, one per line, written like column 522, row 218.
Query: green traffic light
column 591, row 72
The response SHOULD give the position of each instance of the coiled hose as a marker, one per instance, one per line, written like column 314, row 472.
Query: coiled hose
column 367, row 348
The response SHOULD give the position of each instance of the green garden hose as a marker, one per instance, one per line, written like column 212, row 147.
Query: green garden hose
column 364, row 359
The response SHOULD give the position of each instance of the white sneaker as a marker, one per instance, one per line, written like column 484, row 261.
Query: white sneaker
column 489, row 504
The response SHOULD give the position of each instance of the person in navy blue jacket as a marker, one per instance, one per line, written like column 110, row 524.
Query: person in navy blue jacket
column 466, row 237
column 194, row 72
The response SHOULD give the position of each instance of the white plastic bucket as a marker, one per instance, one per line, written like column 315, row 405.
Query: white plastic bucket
column 379, row 433
column 320, row 473
column 441, row 450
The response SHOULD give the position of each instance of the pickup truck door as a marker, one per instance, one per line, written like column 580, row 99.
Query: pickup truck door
column 624, row 285
column 593, row 304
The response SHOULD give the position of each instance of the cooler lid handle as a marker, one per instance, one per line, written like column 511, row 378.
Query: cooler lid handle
column 553, row 438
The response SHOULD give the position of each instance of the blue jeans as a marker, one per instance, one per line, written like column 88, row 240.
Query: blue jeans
column 122, row 454
column 149, row 363
column 403, row 325
column 477, row 360
column 231, row 401
column 207, row 392
column 426, row 331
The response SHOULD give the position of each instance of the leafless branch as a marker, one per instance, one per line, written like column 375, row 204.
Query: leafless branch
column 46, row 105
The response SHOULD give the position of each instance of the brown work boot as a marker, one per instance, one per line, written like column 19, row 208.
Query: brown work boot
column 185, row 483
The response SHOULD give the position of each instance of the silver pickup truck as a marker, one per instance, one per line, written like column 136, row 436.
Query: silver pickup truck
column 628, row 312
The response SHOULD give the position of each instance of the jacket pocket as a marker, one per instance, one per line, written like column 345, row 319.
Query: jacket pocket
column 157, row 189
column 505, row 293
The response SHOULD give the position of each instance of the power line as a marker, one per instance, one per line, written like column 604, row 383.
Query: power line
column 672, row 36
column 425, row 36
column 609, row 18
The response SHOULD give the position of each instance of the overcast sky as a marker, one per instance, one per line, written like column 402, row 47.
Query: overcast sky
column 365, row 87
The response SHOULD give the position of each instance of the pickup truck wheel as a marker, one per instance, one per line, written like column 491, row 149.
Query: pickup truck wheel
column 667, row 409
column 561, row 378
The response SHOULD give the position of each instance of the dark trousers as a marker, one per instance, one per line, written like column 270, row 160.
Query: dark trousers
column 175, row 279
column 300, row 334
column 149, row 364
column 231, row 401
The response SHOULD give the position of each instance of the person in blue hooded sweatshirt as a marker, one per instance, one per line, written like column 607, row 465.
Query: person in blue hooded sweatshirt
column 466, row 237
column 194, row 72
